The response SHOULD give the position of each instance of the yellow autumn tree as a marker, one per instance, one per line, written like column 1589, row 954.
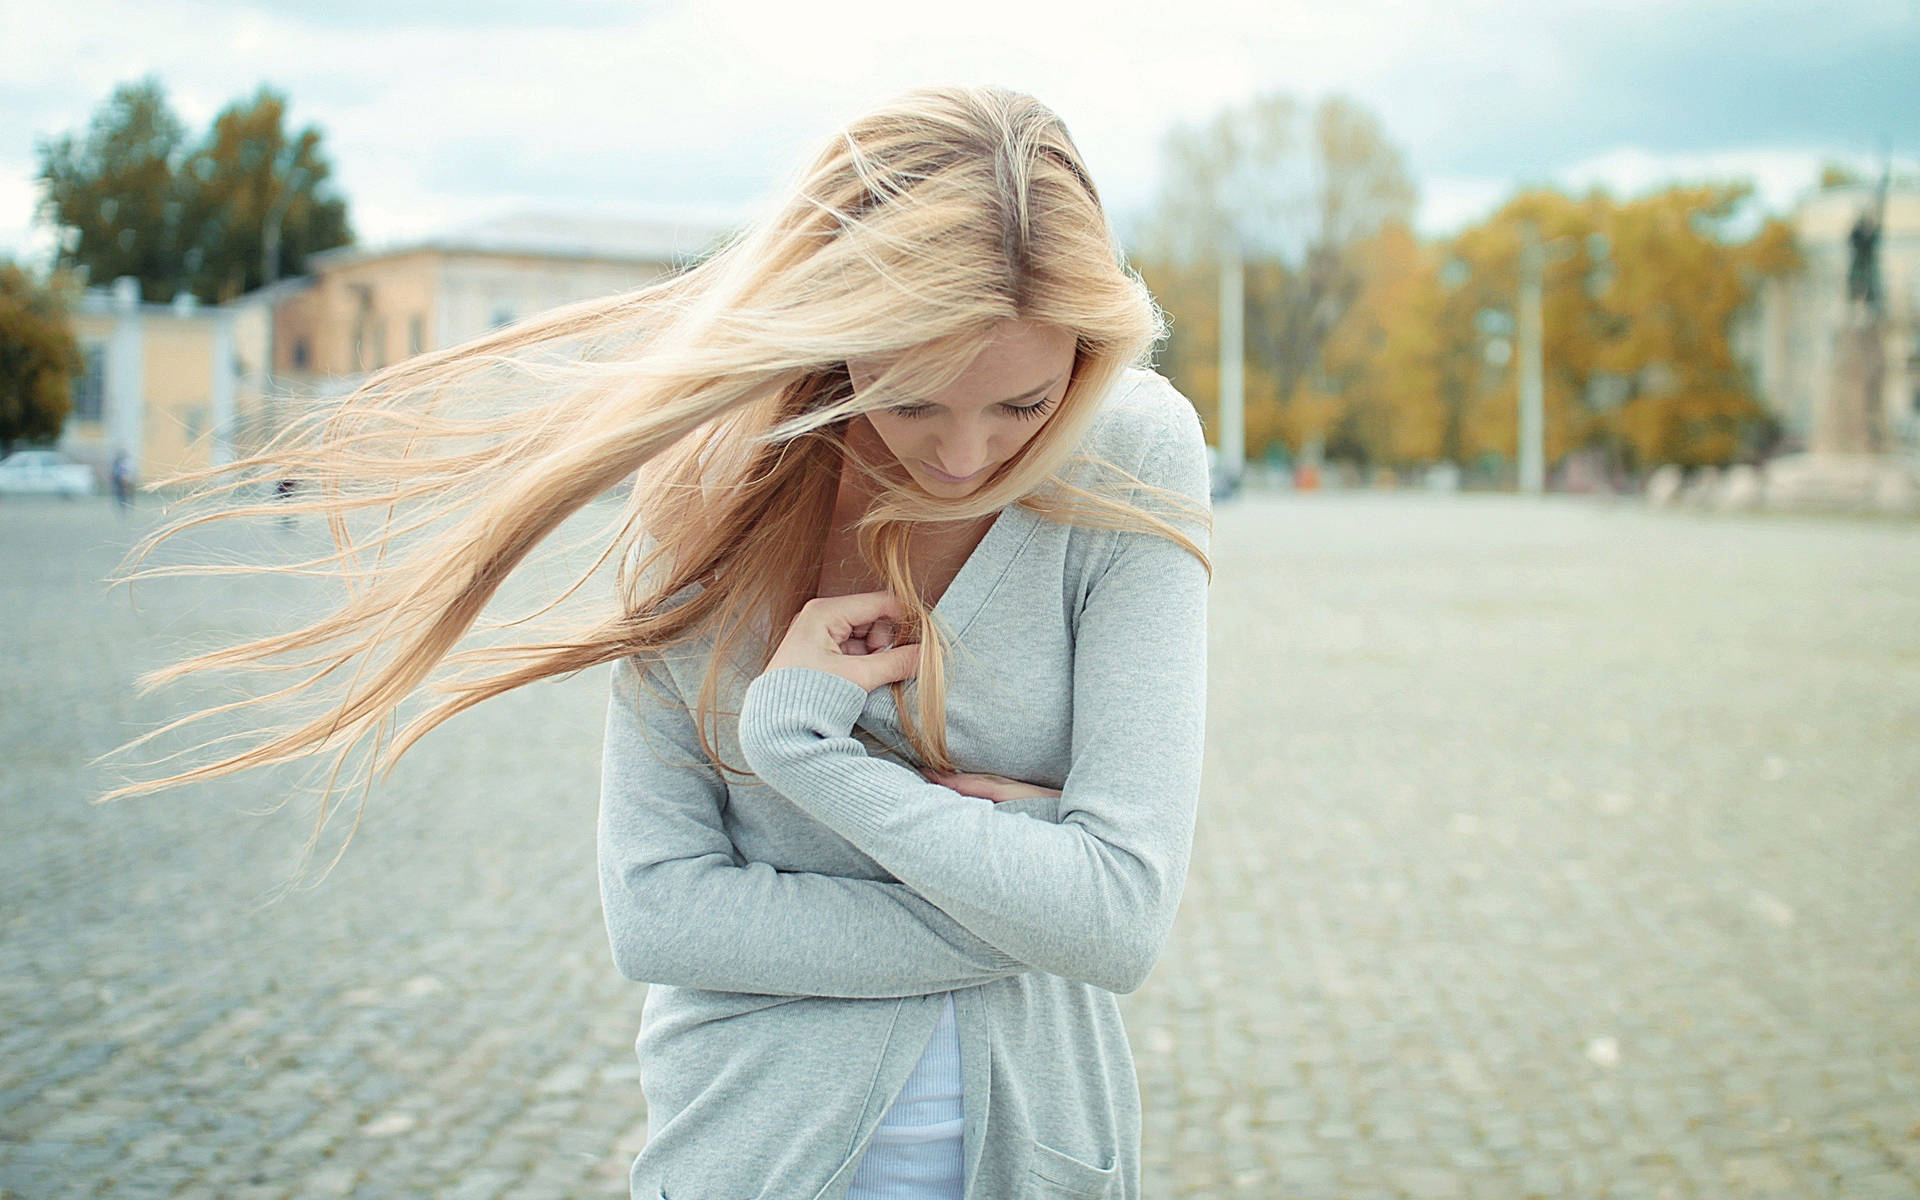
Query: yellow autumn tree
column 1677, row 283
column 1382, row 366
column 1637, row 301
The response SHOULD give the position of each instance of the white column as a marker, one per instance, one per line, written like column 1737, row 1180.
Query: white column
column 221, row 399
column 1532, row 386
column 1233, row 391
column 126, row 383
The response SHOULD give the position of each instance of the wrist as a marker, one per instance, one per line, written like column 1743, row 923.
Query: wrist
column 787, row 709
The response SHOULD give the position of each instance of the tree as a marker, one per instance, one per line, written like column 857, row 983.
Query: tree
column 258, row 203
column 132, row 198
column 1679, row 283
column 38, row 357
column 1384, row 361
column 1298, row 191
column 1479, row 319
column 1190, row 294
column 1638, row 300
column 115, row 193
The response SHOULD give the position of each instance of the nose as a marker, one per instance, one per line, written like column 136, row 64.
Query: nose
column 962, row 456
column 962, row 450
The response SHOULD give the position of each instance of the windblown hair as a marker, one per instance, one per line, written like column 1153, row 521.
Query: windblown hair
column 723, row 393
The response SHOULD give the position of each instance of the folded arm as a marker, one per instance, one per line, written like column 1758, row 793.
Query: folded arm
column 1093, row 897
column 683, row 908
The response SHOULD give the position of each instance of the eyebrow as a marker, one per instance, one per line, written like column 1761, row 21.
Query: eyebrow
column 1047, row 386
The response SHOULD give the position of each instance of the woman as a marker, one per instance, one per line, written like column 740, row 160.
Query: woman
column 908, row 678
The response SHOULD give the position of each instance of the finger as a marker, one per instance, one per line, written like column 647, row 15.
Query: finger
column 879, row 635
column 888, row 666
column 842, row 614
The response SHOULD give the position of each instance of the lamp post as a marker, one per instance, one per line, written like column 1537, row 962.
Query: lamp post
column 296, row 177
column 270, row 232
column 1233, row 392
column 1533, row 447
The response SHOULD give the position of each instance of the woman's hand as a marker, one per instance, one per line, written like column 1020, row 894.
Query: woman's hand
column 991, row 787
column 849, row 636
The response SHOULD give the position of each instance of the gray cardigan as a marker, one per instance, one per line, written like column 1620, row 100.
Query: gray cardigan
column 798, row 930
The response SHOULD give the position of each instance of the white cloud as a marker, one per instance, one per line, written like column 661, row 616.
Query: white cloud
column 1781, row 176
column 1449, row 204
column 17, row 197
column 712, row 103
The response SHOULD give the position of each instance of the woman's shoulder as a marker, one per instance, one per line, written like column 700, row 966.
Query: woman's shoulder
column 1141, row 412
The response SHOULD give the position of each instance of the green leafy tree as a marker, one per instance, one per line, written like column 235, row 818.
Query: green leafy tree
column 38, row 357
column 246, row 204
column 258, row 200
column 115, row 191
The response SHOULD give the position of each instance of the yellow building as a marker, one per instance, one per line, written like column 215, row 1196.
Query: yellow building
column 157, row 380
column 182, row 386
column 361, row 309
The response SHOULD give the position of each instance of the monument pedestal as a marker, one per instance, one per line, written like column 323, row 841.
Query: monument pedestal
column 1817, row 480
column 1851, row 463
column 1852, row 419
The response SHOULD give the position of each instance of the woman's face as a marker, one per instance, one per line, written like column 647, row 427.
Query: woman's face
column 952, row 440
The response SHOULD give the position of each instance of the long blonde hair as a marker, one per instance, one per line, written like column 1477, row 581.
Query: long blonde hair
column 724, row 392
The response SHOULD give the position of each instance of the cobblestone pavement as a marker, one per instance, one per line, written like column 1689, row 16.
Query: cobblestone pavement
column 1547, row 849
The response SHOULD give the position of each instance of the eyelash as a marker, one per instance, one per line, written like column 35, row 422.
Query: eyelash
column 1027, row 412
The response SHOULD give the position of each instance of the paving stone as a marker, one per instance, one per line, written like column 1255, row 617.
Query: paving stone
column 1515, row 876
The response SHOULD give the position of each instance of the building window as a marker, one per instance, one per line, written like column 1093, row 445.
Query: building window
column 416, row 334
column 379, row 343
column 89, row 385
column 299, row 354
column 502, row 315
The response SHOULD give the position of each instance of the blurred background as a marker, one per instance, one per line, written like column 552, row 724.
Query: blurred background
column 1561, row 365
column 1399, row 191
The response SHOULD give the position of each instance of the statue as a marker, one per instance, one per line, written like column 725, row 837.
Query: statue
column 1863, row 273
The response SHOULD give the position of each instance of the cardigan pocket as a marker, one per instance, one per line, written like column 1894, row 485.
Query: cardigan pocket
column 1052, row 1173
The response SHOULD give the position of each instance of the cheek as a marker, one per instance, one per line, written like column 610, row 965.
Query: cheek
column 1017, row 439
column 896, row 434
column 1027, row 432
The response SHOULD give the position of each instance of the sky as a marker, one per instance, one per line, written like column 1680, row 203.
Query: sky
column 439, row 113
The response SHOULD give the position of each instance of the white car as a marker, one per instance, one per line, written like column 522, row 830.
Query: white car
column 45, row 473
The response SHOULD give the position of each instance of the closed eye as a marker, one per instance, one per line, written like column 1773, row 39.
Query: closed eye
column 1018, row 410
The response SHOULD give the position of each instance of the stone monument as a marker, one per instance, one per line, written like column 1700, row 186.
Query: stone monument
column 1851, row 461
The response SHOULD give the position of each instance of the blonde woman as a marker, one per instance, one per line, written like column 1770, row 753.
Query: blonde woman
column 903, row 750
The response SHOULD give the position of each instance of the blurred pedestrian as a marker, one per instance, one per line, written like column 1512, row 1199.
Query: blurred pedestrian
column 121, row 475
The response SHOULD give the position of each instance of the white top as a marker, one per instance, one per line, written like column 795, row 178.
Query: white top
column 917, row 1151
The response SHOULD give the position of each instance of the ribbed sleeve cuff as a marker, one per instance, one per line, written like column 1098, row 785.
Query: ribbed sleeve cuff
column 788, row 700
column 786, row 717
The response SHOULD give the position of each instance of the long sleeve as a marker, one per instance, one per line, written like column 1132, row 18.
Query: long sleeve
column 683, row 909
column 1093, row 897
